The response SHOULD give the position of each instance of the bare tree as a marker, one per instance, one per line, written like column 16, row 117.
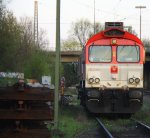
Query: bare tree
column 28, row 36
column 71, row 44
column 42, row 40
column 146, row 44
column 83, row 29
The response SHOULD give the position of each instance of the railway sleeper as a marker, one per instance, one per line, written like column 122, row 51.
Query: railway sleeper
column 23, row 110
column 32, row 133
column 24, row 129
column 26, row 115
column 36, row 94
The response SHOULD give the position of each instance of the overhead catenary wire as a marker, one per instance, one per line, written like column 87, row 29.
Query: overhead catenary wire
column 108, row 12
column 119, row 16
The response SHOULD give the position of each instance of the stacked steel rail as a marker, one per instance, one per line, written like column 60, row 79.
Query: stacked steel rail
column 23, row 110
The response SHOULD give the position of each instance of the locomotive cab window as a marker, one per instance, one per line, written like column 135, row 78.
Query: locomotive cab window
column 100, row 53
column 128, row 54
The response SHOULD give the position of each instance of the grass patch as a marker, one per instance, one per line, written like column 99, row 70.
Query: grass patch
column 144, row 114
column 73, row 120
column 71, row 91
column 117, row 125
column 121, row 125
column 7, row 81
column 70, row 126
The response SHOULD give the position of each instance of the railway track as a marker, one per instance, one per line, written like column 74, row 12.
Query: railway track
column 142, row 126
column 104, row 130
column 146, row 92
column 141, row 131
column 24, row 110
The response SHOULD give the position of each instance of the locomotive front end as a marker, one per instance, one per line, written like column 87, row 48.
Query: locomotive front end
column 113, row 72
column 114, row 67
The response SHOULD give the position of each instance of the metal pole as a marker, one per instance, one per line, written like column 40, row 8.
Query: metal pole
column 94, row 16
column 140, row 23
column 140, row 7
column 0, row 12
column 36, row 22
column 1, row 5
column 57, row 64
column 1, row 2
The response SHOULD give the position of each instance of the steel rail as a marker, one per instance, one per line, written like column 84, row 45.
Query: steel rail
column 146, row 92
column 106, row 132
column 146, row 127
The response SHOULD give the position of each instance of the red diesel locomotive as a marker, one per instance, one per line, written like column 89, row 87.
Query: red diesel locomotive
column 111, row 70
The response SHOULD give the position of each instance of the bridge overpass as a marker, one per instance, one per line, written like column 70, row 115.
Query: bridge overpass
column 73, row 56
column 70, row 56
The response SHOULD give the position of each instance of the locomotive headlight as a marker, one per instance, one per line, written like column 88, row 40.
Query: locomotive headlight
column 91, row 80
column 131, row 80
column 97, row 80
column 137, row 80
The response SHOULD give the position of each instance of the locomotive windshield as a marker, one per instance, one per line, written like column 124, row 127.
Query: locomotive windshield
column 128, row 54
column 100, row 53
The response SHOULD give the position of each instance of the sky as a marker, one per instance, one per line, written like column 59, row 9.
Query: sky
column 74, row 10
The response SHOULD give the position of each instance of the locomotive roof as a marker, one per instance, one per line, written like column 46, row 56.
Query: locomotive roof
column 123, row 35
